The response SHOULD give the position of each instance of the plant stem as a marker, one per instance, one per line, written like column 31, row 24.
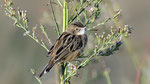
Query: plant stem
column 65, row 15
column 82, row 9
column 65, row 24
column 58, row 33
column 128, row 44
column 60, row 3
column 36, row 40
column 106, row 74
column 105, row 21
column 54, row 18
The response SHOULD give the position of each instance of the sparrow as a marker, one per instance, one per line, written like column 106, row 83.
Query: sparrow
column 68, row 46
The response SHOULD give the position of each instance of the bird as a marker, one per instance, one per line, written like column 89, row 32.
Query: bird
column 69, row 45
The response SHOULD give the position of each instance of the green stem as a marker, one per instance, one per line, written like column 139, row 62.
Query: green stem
column 37, row 78
column 82, row 9
column 65, row 74
column 105, row 21
column 65, row 15
column 60, row 3
column 54, row 18
column 36, row 40
column 106, row 74
column 65, row 24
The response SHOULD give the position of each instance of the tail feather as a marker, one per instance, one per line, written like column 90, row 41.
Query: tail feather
column 46, row 69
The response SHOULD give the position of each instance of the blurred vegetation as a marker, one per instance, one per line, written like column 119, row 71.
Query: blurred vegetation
column 106, row 43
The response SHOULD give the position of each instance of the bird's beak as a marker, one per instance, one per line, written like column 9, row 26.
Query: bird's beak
column 82, row 31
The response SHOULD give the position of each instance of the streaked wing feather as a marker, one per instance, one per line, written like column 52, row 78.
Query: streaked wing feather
column 65, row 45
column 62, row 44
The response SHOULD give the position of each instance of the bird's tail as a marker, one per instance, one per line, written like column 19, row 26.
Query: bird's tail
column 47, row 68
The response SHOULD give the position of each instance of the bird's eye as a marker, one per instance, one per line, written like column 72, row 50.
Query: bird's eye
column 77, row 29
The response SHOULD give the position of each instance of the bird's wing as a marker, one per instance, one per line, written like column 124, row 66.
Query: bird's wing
column 66, row 45
column 58, row 42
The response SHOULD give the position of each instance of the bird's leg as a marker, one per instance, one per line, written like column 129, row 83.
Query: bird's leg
column 74, row 66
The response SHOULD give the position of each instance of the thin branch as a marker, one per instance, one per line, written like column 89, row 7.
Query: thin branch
column 44, row 32
column 54, row 18
column 34, row 73
column 111, row 43
column 106, row 20
column 78, row 14
column 60, row 3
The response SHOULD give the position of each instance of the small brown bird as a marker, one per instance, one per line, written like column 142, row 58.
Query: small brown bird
column 68, row 46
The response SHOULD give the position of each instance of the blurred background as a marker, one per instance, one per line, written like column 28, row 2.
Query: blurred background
column 19, row 53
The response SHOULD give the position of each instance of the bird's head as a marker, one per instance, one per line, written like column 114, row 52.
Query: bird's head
column 76, row 28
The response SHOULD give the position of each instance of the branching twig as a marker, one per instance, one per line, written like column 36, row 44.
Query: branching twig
column 105, row 21
column 34, row 73
column 81, row 10
column 21, row 21
column 111, row 43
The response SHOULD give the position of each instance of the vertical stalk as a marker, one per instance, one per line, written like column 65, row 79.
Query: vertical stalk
column 65, row 24
column 63, row 75
column 54, row 18
column 65, row 15
column 106, row 74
